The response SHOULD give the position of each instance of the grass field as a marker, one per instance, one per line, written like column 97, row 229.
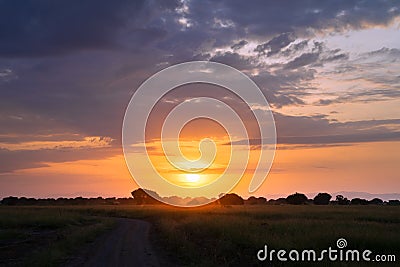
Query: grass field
column 209, row 236
column 45, row 236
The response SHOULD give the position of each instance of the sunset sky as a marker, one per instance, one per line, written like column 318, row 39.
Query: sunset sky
column 330, row 71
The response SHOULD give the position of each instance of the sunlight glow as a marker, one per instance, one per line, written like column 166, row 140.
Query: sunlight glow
column 192, row 177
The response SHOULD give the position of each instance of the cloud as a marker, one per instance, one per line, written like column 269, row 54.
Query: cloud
column 320, row 125
column 11, row 161
column 87, row 142
column 303, row 60
column 384, row 51
column 235, row 60
column 374, row 95
column 276, row 44
column 273, row 18
column 43, row 28
column 239, row 44
column 319, row 54
column 284, row 87
column 318, row 130
column 341, row 139
column 33, row 151
column 7, row 75
column 366, row 77
column 334, row 57
column 69, row 68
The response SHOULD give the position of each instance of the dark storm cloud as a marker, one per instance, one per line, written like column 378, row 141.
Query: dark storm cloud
column 38, row 28
column 47, row 28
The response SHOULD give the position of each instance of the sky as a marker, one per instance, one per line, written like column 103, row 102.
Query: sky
column 329, row 70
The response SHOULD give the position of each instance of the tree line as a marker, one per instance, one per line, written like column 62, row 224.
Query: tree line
column 141, row 197
column 301, row 199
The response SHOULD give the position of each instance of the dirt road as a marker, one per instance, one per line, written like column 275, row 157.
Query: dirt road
column 126, row 245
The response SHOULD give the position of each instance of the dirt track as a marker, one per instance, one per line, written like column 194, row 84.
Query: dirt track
column 126, row 245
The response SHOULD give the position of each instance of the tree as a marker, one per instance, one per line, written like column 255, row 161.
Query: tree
column 296, row 199
column 261, row 200
column 359, row 201
column 140, row 196
column 11, row 201
column 376, row 201
column 341, row 200
column 256, row 200
column 251, row 200
column 322, row 199
column 231, row 199
column 394, row 202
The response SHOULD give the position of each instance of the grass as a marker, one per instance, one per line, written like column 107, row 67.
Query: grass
column 45, row 236
column 230, row 236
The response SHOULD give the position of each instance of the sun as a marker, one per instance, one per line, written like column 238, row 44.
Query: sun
column 192, row 177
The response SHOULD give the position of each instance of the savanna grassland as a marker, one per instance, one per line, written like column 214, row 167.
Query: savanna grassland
column 45, row 236
column 206, row 236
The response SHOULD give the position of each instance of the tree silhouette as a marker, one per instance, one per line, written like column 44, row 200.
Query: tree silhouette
column 376, row 201
column 145, row 196
column 231, row 199
column 358, row 201
column 297, row 199
column 256, row 200
column 394, row 202
column 10, row 201
column 341, row 200
column 322, row 199
column 141, row 197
